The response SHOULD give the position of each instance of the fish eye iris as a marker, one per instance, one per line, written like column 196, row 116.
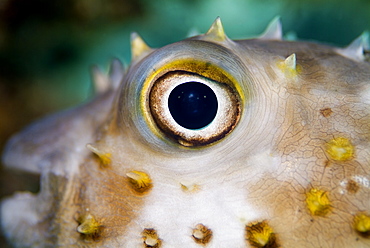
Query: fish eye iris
column 191, row 109
column 193, row 105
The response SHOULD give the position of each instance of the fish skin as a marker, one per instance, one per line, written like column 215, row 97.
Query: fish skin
column 262, row 175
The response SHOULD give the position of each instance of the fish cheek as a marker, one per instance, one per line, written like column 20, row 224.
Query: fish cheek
column 295, row 226
column 107, row 203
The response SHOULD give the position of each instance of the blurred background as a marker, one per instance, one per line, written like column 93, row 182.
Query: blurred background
column 47, row 47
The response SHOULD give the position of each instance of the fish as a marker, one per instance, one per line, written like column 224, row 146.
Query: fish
column 205, row 142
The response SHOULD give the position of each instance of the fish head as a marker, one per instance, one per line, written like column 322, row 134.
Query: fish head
column 205, row 142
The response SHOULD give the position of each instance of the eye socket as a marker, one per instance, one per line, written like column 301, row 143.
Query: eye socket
column 192, row 109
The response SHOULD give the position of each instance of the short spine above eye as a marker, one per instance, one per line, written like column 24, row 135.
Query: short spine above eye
column 138, row 47
column 216, row 32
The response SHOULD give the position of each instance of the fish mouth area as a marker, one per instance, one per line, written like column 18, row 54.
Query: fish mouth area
column 12, row 181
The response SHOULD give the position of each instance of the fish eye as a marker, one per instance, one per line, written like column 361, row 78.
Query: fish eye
column 192, row 109
column 193, row 105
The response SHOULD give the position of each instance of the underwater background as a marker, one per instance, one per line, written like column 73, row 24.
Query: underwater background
column 47, row 47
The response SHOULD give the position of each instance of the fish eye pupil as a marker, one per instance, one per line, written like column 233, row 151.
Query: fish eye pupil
column 193, row 105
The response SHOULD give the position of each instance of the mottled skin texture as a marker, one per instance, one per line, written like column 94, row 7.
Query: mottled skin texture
column 259, row 173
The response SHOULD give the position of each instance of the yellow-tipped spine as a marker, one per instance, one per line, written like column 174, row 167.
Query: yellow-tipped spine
column 139, row 181
column 289, row 66
column 216, row 31
column 104, row 157
column 89, row 226
column 139, row 48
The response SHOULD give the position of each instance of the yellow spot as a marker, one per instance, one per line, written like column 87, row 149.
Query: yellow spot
column 140, row 181
column 202, row 234
column 318, row 202
column 362, row 224
column 88, row 226
column 340, row 149
column 104, row 157
column 261, row 235
column 189, row 187
column 150, row 238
